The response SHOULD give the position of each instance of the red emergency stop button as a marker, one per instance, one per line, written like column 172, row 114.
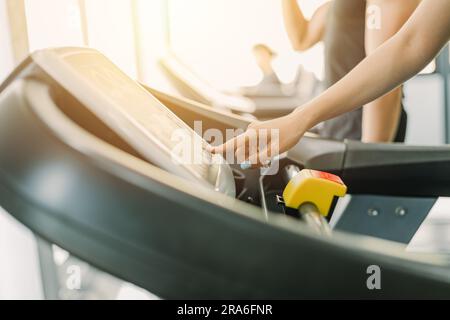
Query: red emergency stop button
column 327, row 176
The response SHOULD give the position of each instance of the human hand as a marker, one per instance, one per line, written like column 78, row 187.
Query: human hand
column 263, row 141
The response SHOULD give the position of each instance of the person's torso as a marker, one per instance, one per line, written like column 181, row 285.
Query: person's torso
column 344, row 49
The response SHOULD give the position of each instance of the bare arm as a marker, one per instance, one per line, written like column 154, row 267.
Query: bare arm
column 304, row 33
column 400, row 58
column 381, row 117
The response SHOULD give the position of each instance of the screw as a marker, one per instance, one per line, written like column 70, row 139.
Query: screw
column 373, row 212
column 401, row 212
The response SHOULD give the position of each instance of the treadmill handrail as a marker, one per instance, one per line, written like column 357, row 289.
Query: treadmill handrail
column 39, row 98
column 361, row 154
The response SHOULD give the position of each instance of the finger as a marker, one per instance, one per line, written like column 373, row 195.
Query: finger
column 251, row 146
column 230, row 145
column 257, row 140
column 241, row 154
column 263, row 157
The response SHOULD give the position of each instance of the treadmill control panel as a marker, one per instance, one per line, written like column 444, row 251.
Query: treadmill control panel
column 138, row 117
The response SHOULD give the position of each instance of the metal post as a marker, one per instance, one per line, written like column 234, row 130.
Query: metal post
column 18, row 29
column 137, row 38
column 84, row 25
column 443, row 68
column 168, row 34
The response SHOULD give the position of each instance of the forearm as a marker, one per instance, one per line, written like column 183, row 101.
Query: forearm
column 372, row 78
column 304, row 33
column 390, row 65
column 295, row 23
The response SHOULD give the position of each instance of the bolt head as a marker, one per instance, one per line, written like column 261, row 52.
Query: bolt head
column 401, row 212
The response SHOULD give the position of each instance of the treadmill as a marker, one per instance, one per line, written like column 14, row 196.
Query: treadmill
column 85, row 163
column 264, row 102
column 191, row 86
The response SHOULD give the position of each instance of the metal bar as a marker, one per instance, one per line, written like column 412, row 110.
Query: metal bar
column 49, row 273
column 18, row 29
column 263, row 198
column 137, row 38
column 314, row 219
column 84, row 23
column 166, row 13
column 443, row 68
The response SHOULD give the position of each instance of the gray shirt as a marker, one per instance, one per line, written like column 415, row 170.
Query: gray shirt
column 344, row 49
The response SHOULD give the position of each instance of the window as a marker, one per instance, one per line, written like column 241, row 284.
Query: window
column 58, row 26
column 110, row 29
column 215, row 38
column 152, row 41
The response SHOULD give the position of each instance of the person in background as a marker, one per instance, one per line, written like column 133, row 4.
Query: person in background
column 271, row 95
column 271, row 85
column 264, row 57
column 341, row 25
column 417, row 43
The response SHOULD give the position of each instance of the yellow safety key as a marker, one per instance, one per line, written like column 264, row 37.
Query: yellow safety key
column 315, row 187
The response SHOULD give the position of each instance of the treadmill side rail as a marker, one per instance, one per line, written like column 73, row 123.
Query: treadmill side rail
column 319, row 154
column 397, row 169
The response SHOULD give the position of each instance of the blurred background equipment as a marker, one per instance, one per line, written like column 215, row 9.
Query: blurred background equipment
column 272, row 96
column 214, row 40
